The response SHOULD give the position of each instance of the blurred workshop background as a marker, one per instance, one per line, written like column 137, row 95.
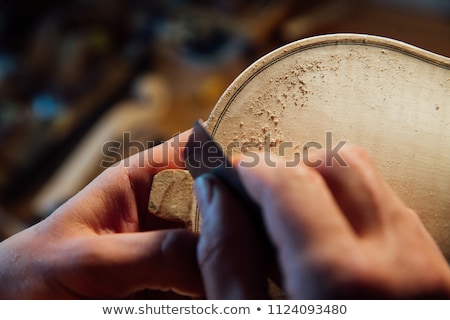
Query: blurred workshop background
column 76, row 74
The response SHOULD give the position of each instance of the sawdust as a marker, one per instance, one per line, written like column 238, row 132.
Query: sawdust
column 267, row 107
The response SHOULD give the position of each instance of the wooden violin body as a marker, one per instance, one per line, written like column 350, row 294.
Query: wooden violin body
column 388, row 97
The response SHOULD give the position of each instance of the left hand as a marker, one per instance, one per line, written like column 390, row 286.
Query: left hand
column 103, row 243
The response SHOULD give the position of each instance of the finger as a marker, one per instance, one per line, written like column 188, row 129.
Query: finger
column 230, row 257
column 298, row 208
column 118, row 265
column 302, row 219
column 361, row 193
column 125, row 188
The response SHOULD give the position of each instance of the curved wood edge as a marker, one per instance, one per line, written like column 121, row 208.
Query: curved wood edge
column 287, row 50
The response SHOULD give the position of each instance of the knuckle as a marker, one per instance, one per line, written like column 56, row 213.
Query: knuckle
column 302, row 174
column 357, row 156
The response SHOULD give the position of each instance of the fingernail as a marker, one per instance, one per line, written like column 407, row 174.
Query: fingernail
column 204, row 190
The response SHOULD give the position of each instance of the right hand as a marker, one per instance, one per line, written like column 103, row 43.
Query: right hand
column 339, row 231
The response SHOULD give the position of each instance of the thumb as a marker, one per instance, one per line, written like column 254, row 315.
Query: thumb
column 119, row 265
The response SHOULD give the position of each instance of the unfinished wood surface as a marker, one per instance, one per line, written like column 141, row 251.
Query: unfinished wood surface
column 388, row 97
column 172, row 197
column 391, row 98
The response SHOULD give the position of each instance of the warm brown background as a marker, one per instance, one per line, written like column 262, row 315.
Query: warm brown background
column 75, row 75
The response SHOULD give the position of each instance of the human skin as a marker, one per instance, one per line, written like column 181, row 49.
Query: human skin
column 103, row 243
column 339, row 232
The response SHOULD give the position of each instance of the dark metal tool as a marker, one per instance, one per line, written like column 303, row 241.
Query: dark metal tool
column 204, row 155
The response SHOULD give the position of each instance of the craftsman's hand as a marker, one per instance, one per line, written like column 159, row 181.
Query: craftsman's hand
column 339, row 232
column 103, row 243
